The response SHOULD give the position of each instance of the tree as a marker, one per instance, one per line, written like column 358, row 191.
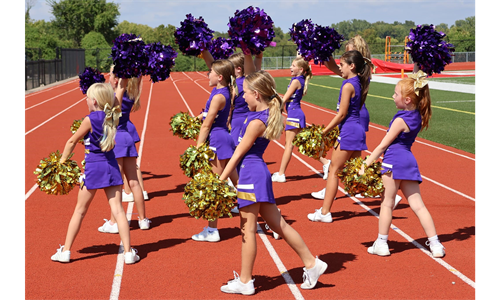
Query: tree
column 76, row 18
column 97, row 51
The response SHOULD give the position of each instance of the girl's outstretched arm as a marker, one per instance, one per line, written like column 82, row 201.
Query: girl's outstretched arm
column 249, row 64
column 295, row 85
column 73, row 140
column 254, row 130
column 397, row 127
column 258, row 61
column 347, row 94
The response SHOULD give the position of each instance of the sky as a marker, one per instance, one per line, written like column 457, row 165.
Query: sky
column 284, row 12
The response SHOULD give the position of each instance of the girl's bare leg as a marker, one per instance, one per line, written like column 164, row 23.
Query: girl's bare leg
column 287, row 154
column 82, row 205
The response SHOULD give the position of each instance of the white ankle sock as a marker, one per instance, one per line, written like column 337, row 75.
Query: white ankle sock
column 433, row 240
column 382, row 238
column 210, row 229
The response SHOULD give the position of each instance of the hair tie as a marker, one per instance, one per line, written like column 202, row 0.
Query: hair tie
column 420, row 80
column 112, row 114
column 273, row 96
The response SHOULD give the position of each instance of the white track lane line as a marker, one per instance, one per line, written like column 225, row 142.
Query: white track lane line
column 48, row 89
column 54, row 116
column 120, row 260
column 274, row 255
column 50, row 99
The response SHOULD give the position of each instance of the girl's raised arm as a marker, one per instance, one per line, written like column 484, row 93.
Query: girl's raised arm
column 332, row 66
column 208, row 58
column 121, row 87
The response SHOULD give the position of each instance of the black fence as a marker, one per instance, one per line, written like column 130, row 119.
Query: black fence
column 40, row 72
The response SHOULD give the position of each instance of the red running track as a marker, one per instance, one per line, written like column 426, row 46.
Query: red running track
column 173, row 266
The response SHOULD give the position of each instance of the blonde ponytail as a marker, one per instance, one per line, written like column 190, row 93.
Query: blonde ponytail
column 105, row 97
column 262, row 82
column 134, row 89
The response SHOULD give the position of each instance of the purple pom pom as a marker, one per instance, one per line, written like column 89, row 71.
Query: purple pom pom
column 193, row 36
column 129, row 56
column 315, row 42
column 221, row 48
column 88, row 77
column 161, row 61
column 251, row 29
column 428, row 49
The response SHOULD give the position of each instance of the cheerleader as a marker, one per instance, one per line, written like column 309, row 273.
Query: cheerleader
column 98, row 129
column 400, row 168
column 255, row 189
column 296, row 120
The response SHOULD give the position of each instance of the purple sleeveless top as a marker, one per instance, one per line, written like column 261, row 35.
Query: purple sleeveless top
column 92, row 139
column 405, row 140
column 260, row 144
column 240, row 106
column 221, row 118
column 297, row 95
column 352, row 134
column 398, row 157
column 127, row 105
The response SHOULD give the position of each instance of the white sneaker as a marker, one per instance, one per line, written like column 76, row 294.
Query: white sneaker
column 131, row 257
column 317, row 216
column 145, row 195
column 381, row 249
column 278, row 178
column 311, row 276
column 108, row 228
column 437, row 250
column 235, row 286
column 127, row 197
column 144, row 224
column 275, row 235
column 207, row 236
column 326, row 168
column 61, row 256
column 320, row 194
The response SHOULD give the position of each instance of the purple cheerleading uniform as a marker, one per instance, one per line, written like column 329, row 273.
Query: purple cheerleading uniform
column 101, row 168
column 219, row 139
column 398, row 157
column 296, row 117
column 364, row 117
column 254, row 184
column 133, row 131
column 240, row 111
column 124, row 142
column 352, row 136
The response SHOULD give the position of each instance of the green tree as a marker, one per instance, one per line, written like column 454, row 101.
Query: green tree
column 76, row 18
column 463, row 35
column 97, row 51
column 40, row 35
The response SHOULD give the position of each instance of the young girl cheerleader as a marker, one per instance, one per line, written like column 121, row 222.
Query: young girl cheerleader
column 355, row 43
column 126, row 147
column 399, row 167
column 98, row 129
column 352, row 137
column 125, row 151
column 127, row 195
column 214, row 127
column 296, row 120
column 255, row 190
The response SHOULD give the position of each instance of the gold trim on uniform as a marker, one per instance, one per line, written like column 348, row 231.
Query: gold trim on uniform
column 247, row 196
column 294, row 124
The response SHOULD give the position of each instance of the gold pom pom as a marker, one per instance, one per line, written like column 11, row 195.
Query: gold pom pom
column 369, row 184
column 195, row 160
column 74, row 127
column 55, row 178
column 311, row 142
column 185, row 126
column 208, row 197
